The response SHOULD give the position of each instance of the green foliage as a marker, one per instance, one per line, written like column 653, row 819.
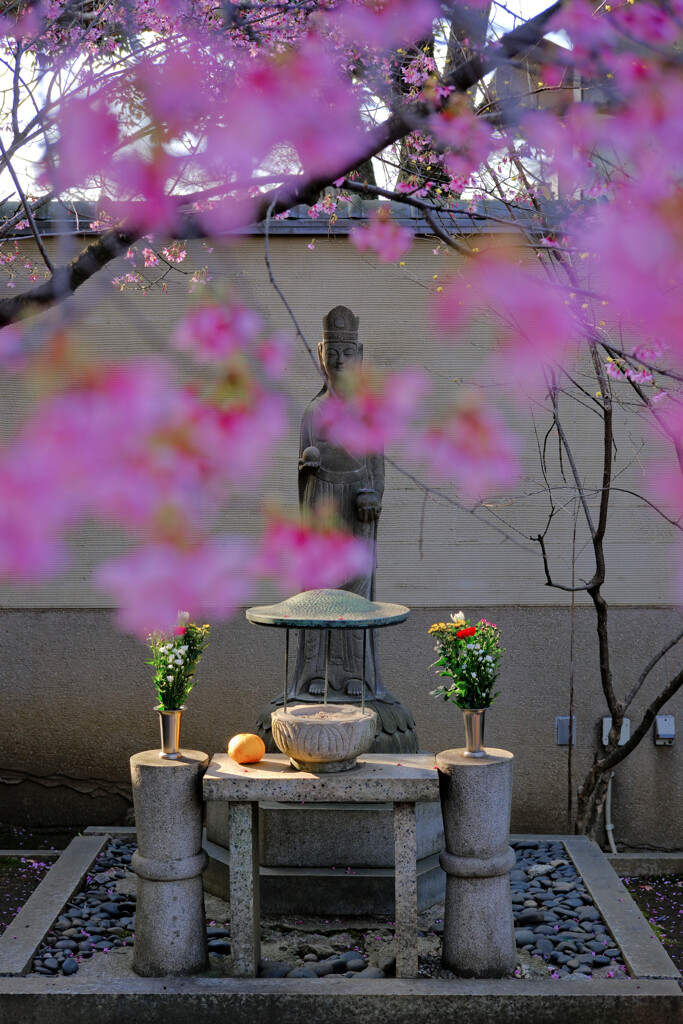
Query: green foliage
column 175, row 659
column 469, row 656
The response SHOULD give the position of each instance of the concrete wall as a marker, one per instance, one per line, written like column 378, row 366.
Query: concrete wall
column 76, row 697
column 77, row 701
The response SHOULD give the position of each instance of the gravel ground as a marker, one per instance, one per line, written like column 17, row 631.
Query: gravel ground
column 559, row 933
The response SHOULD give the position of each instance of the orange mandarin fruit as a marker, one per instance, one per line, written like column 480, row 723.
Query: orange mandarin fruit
column 246, row 748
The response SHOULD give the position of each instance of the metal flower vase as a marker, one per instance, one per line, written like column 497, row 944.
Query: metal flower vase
column 169, row 725
column 474, row 731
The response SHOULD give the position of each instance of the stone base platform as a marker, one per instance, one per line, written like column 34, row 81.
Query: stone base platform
column 282, row 1001
column 109, row 992
column 309, row 856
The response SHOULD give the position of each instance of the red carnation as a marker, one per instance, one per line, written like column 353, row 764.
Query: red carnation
column 179, row 631
column 469, row 631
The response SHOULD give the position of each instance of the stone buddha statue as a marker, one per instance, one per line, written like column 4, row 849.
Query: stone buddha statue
column 330, row 474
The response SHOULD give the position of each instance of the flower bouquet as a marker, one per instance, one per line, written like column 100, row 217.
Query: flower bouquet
column 175, row 657
column 469, row 657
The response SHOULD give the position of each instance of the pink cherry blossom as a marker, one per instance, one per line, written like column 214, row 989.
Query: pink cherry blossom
column 469, row 138
column 274, row 353
column 150, row 583
column 537, row 321
column 88, row 137
column 34, row 513
column 211, row 334
column 143, row 189
column 136, row 449
column 474, row 448
column 384, row 24
column 301, row 557
column 383, row 236
column 375, row 410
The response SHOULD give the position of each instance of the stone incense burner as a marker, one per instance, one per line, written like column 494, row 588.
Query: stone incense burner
column 325, row 737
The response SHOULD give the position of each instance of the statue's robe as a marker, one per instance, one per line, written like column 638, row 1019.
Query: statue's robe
column 339, row 479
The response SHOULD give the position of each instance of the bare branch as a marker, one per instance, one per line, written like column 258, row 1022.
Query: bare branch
column 570, row 456
column 617, row 755
column 427, row 209
column 650, row 665
column 548, row 580
column 433, row 492
column 29, row 212
column 283, row 297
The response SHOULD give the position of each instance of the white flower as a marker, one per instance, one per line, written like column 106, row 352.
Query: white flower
column 183, row 618
column 170, row 678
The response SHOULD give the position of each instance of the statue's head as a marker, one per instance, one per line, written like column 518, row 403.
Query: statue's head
column 339, row 350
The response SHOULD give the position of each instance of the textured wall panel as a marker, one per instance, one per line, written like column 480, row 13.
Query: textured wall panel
column 430, row 553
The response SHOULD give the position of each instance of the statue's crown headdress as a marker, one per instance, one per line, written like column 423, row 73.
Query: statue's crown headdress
column 340, row 325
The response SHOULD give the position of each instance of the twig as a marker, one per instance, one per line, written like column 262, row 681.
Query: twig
column 456, row 504
column 29, row 213
column 650, row 665
column 282, row 295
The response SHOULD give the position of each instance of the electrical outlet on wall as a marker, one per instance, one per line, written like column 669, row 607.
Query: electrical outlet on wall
column 625, row 730
column 562, row 730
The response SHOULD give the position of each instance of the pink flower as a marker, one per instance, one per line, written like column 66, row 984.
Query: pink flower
column 211, row 334
column 150, row 257
column 384, row 236
column 34, row 513
column 375, row 409
column 474, row 447
column 301, row 557
column 88, row 138
column 143, row 186
column 536, row 321
column 468, row 137
column 384, row 25
column 149, row 583
column 274, row 353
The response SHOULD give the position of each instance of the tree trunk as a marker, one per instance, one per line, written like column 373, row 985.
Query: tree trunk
column 591, row 801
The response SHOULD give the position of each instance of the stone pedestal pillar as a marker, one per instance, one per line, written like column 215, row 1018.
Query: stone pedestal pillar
column 170, row 926
column 476, row 795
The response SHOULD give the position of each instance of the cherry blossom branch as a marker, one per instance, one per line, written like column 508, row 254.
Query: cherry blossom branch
column 29, row 213
column 7, row 226
column 427, row 209
column 66, row 279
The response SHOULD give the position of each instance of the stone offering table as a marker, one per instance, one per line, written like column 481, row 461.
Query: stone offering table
column 401, row 779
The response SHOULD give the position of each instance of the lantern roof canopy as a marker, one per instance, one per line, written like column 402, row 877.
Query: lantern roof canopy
column 328, row 609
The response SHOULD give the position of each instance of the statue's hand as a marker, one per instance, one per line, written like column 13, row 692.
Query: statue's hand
column 368, row 506
column 310, row 458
